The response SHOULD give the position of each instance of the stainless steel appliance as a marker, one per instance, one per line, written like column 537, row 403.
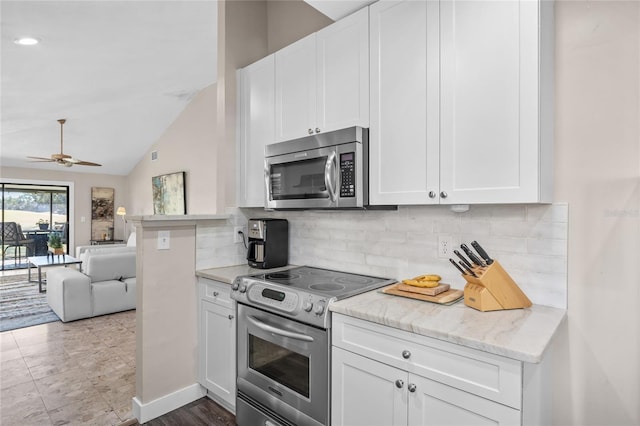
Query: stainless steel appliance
column 268, row 243
column 325, row 171
column 284, row 343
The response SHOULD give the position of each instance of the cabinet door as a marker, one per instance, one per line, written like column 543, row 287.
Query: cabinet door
column 490, row 109
column 364, row 392
column 218, row 351
column 432, row 403
column 296, row 89
column 257, row 122
column 404, row 135
column 343, row 73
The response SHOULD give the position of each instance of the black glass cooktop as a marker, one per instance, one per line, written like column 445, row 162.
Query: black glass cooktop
column 324, row 281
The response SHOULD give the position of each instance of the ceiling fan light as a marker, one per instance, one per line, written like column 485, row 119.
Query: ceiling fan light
column 26, row 41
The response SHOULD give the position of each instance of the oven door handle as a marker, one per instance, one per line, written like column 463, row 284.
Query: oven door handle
column 275, row 330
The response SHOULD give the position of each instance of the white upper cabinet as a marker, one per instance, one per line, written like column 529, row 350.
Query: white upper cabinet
column 342, row 54
column 322, row 80
column 496, row 101
column 256, row 129
column 461, row 102
column 403, row 137
column 296, row 89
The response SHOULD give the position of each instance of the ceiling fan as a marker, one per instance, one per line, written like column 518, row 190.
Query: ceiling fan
column 62, row 158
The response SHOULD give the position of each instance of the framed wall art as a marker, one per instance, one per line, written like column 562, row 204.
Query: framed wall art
column 169, row 196
column 102, row 213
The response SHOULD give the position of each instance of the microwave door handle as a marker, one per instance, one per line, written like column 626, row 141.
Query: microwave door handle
column 329, row 172
column 267, row 179
column 275, row 330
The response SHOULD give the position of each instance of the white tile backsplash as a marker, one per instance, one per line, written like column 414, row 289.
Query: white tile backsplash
column 530, row 241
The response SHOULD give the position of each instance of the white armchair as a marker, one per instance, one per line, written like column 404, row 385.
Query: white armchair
column 106, row 285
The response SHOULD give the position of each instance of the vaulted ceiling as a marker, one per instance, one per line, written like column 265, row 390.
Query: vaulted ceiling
column 119, row 71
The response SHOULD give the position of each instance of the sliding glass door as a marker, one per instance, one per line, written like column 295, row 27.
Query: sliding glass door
column 30, row 213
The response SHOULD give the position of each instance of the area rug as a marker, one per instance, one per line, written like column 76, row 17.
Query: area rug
column 21, row 305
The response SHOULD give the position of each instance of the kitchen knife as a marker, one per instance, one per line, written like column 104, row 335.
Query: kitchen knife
column 466, row 268
column 483, row 254
column 457, row 267
column 475, row 259
column 464, row 259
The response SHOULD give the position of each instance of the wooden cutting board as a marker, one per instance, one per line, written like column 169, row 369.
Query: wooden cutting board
column 446, row 298
column 433, row 291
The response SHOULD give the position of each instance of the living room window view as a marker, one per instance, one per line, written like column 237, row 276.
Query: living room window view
column 34, row 219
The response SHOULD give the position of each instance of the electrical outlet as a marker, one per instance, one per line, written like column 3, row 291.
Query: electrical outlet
column 445, row 246
column 237, row 236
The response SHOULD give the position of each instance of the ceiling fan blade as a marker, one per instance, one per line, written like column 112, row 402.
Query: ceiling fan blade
column 41, row 159
column 86, row 163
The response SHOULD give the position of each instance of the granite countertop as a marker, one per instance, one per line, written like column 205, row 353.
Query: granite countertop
column 521, row 334
column 229, row 273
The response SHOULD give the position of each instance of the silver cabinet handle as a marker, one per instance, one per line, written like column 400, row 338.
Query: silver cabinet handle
column 406, row 354
column 432, row 194
column 317, row 130
column 399, row 384
column 412, row 387
column 443, row 194
column 230, row 316
column 310, row 131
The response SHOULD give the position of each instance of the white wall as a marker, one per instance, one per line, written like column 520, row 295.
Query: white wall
column 597, row 373
column 188, row 145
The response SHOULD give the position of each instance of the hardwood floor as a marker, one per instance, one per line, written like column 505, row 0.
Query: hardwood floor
column 203, row 412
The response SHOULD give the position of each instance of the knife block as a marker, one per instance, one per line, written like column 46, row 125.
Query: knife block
column 493, row 290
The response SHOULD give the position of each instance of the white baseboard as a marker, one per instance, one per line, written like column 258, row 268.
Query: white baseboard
column 162, row 405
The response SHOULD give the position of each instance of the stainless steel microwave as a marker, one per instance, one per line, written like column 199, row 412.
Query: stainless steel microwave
column 324, row 171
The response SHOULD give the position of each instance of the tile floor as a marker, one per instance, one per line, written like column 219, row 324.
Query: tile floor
column 81, row 372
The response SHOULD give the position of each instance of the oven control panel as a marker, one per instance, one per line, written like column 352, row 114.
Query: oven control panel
column 282, row 300
column 298, row 305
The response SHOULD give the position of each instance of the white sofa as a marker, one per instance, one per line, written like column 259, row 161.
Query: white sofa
column 106, row 284
column 82, row 250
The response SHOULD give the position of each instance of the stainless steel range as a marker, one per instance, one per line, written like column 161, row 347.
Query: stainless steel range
column 284, row 343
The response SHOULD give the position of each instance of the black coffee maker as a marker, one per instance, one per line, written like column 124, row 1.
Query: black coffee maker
column 268, row 243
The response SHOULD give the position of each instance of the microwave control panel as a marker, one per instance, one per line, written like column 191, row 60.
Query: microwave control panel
column 348, row 175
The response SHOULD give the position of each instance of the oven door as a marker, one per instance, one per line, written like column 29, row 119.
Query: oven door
column 283, row 365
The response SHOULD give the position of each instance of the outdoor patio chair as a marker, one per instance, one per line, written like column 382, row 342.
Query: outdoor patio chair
column 12, row 236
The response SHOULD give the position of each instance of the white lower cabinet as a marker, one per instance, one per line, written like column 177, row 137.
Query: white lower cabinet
column 217, row 342
column 385, row 376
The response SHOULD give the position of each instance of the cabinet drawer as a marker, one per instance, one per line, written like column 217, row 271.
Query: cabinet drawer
column 215, row 292
column 487, row 375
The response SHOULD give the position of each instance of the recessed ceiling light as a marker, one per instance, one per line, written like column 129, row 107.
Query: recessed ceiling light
column 26, row 41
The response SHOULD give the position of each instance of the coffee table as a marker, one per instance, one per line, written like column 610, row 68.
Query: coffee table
column 50, row 260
